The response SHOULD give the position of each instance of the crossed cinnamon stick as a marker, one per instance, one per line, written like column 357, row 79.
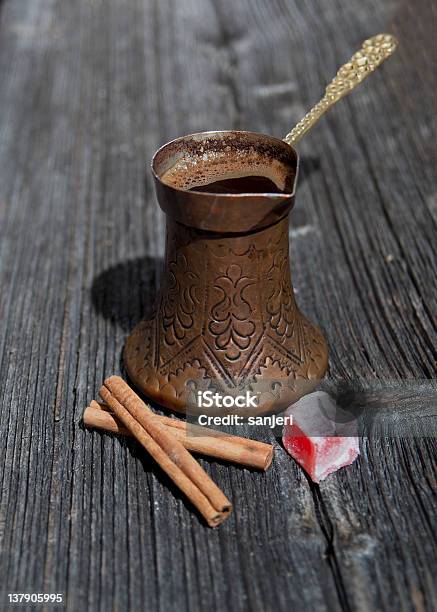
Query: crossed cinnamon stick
column 195, row 438
column 166, row 440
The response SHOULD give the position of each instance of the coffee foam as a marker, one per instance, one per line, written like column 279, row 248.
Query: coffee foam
column 198, row 169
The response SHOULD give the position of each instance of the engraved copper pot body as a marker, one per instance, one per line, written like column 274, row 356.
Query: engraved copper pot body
column 226, row 318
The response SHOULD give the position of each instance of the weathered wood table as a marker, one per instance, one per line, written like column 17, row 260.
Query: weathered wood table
column 88, row 90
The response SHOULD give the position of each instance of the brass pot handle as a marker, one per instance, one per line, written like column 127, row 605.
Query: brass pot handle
column 372, row 53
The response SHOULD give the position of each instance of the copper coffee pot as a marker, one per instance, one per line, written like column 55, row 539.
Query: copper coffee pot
column 226, row 318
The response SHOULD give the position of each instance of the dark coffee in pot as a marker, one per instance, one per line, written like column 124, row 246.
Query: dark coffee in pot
column 210, row 173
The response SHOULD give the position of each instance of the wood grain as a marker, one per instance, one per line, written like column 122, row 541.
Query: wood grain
column 88, row 90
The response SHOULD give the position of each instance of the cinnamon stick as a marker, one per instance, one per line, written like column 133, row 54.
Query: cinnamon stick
column 167, row 451
column 196, row 438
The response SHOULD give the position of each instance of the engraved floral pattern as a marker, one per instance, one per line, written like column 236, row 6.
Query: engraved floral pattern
column 180, row 300
column 227, row 315
column 280, row 304
column 231, row 324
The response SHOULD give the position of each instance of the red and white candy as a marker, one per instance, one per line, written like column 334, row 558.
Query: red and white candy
column 315, row 440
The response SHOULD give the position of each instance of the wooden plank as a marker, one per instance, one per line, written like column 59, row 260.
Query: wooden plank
column 88, row 91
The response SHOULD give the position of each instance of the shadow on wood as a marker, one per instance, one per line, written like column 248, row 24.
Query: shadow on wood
column 125, row 293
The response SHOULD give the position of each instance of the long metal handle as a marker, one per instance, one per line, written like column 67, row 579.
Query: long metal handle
column 373, row 52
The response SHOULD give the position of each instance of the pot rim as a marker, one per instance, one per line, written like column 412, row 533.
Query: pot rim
column 207, row 133
column 226, row 212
